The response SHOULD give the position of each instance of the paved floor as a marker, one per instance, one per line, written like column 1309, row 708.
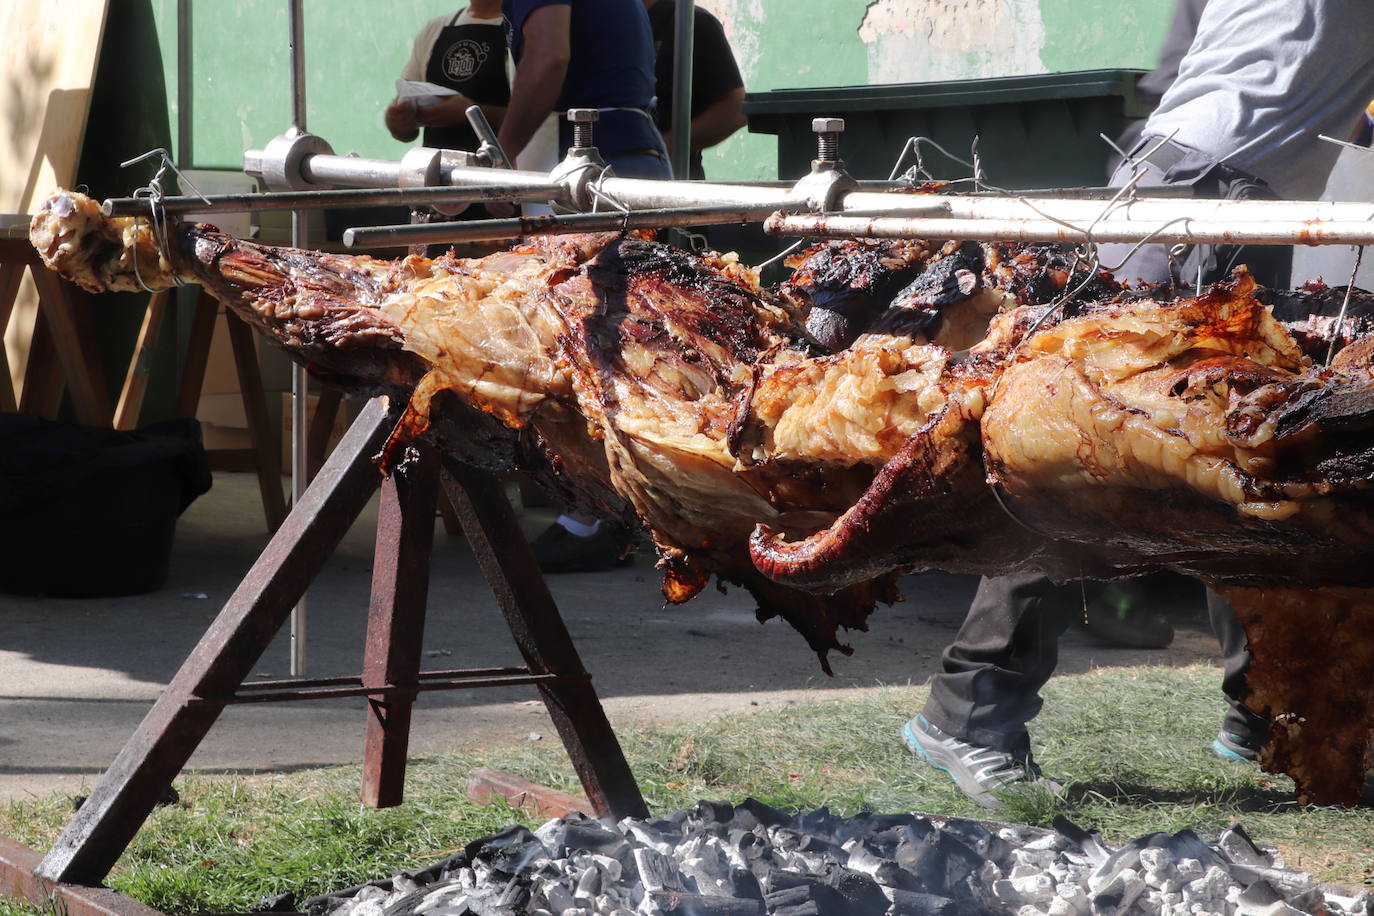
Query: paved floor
column 76, row 677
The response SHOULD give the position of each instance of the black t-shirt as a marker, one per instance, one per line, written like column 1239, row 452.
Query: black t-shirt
column 714, row 71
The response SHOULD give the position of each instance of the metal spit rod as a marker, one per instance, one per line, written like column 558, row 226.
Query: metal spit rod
column 1145, row 209
column 1076, row 205
column 494, row 229
column 1113, row 228
column 1011, row 216
column 647, row 193
column 366, row 197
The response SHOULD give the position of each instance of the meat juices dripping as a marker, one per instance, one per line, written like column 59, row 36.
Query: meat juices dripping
column 1125, row 434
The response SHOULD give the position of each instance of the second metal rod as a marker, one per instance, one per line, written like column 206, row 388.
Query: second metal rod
column 494, row 229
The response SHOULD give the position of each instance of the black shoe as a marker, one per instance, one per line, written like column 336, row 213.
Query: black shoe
column 558, row 550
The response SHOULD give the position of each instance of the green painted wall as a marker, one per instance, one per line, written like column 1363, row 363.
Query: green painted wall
column 240, row 74
column 355, row 48
column 782, row 44
column 1100, row 34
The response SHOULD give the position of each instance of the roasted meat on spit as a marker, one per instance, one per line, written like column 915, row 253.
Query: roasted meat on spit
column 892, row 407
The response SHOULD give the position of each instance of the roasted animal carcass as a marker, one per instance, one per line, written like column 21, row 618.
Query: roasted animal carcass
column 893, row 407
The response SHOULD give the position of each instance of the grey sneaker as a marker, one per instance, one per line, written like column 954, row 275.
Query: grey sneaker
column 1236, row 748
column 979, row 772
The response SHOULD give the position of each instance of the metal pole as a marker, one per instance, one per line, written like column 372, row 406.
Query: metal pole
column 492, row 229
column 186, row 307
column 684, row 34
column 300, row 382
column 184, row 83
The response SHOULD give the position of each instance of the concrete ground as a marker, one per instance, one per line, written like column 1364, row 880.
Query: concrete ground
column 77, row 676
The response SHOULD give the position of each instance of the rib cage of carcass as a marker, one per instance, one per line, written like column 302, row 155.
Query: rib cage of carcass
column 893, row 406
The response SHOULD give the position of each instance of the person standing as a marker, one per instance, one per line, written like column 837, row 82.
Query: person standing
column 717, row 87
column 463, row 51
column 585, row 54
column 1259, row 82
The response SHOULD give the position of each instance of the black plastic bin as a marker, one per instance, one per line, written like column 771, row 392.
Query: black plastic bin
column 1033, row 131
column 88, row 512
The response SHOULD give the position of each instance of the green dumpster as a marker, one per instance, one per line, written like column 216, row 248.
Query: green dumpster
column 1033, row 131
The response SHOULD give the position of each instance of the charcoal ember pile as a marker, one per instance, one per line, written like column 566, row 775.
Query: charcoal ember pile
column 720, row 859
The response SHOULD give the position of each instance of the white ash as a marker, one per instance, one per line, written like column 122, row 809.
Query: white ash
column 749, row 860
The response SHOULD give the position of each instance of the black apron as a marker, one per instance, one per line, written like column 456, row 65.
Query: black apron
column 470, row 59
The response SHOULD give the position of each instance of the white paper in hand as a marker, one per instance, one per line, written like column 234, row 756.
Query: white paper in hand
column 421, row 93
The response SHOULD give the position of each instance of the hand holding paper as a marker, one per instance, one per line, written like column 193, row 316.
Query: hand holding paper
column 421, row 94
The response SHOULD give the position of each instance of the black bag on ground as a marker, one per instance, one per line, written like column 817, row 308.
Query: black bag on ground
column 87, row 512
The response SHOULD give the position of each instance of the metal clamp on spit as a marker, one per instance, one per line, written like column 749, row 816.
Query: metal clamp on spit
column 823, row 188
column 489, row 152
column 583, row 165
column 281, row 164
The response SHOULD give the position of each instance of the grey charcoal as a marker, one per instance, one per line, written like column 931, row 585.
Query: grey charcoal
column 720, row 859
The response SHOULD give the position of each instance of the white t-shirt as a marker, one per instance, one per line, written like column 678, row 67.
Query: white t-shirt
column 1263, row 78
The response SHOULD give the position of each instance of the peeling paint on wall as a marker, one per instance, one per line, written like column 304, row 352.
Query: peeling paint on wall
column 961, row 25
column 783, row 44
column 921, row 40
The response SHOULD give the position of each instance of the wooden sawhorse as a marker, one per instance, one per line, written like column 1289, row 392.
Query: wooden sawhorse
column 62, row 349
column 212, row 676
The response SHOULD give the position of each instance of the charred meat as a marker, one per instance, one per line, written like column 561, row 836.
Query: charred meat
column 893, row 407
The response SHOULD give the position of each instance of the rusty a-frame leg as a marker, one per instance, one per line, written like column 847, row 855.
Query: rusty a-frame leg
column 543, row 640
column 396, row 623
column 212, row 676
column 167, row 737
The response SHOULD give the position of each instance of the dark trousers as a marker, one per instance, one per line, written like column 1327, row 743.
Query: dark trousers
column 1252, row 727
column 1210, row 179
column 1003, row 654
column 1008, row 646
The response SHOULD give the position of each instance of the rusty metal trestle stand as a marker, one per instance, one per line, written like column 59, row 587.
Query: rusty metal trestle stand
column 212, row 676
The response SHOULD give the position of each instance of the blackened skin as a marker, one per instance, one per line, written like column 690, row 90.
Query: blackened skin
column 848, row 284
column 946, row 281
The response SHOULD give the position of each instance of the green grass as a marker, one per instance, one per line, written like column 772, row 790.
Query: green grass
column 11, row 908
column 1132, row 744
